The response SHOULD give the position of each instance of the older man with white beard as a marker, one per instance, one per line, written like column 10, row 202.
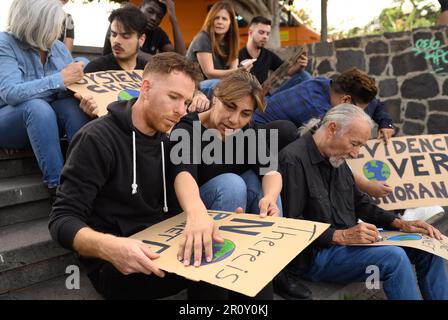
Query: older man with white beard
column 318, row 185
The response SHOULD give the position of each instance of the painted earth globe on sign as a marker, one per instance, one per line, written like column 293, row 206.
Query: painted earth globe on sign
column 126, row 95
column 376, row 170
column 220, row 252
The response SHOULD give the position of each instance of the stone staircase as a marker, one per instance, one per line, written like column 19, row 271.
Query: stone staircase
column 28, row 255
column 33, row 267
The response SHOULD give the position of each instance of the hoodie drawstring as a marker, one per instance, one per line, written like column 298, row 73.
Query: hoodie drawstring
column 134, row 165
column 165, row 206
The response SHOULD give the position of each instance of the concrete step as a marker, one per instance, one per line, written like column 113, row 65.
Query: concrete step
column 55, row 289
column 18, row 163
column 19, row 154
column 24, row 212
column 35, row 273
column 27, row 243
column 22, row 190
column 28, row 255
column 18, row 167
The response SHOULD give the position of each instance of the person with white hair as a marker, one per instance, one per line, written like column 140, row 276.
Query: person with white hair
column 318, row 185
column 36, row 70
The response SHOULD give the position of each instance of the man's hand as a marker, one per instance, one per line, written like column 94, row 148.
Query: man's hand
column 200, row 102
column 132, row 256
column 300, row 64
column 268, row 207
column 87, row 104
column 417, row 226
column 386, row 134
column 362, row 233
column 72, row 73
column 169, row 7
column 200, row 232
column 378, row 189
column 247, row 64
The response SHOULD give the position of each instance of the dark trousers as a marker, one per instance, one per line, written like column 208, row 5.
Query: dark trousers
column 112, row 284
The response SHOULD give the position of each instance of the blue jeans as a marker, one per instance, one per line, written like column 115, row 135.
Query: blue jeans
column 207, row 87
column 37, row 122
column 229, row 191
column 294, row 80
column 346, row 264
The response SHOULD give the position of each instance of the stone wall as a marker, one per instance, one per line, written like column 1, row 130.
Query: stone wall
column 410, row 69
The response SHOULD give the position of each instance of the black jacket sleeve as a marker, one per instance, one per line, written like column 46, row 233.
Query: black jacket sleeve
column 376, row 110
column 83, row 176
column 295, row 195
column 369, row 212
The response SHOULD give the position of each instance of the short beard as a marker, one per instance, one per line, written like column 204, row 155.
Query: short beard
column 259, row 46
column 336, row 162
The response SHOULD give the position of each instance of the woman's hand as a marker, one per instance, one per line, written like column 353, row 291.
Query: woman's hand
column 268, row 207
column 72, row 73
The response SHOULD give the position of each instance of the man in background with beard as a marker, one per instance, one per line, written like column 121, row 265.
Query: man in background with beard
column 259, row 33
column 156, row 39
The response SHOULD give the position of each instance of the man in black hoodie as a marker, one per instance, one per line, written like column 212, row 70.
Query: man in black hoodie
column 112, row 186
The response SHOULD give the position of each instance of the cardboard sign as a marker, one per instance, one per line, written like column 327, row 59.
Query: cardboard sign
column 254, row 251
column 416, row 167
column 109, row 86
column 414, row 240
column 277, row 77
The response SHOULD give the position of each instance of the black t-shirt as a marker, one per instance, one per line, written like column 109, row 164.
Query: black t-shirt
column 203, row 172
column 202, row 43
column 156, row 39
column 109, row 62
column 267, row 60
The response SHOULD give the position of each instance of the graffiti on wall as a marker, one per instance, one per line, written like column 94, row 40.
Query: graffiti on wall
column 432, row 52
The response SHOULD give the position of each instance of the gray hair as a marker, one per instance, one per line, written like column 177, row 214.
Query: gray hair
column 36, row 22
column 342, row 114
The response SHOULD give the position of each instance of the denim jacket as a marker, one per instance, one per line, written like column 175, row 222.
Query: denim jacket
column 22, row 75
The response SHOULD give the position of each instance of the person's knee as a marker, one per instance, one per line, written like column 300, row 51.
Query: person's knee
column 394, row 258
column 233, row 184
column 38, row 110
column 67, row 105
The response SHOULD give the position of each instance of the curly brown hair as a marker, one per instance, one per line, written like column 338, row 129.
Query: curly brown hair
column 357, row 84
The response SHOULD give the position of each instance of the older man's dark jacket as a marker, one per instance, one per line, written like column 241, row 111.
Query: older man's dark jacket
column 314, row 190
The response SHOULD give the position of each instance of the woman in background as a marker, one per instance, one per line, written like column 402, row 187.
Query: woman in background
column 216, row 46
column 36, row 69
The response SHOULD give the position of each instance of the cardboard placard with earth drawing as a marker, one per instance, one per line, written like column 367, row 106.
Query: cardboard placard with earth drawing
column 254, row 251
column 109, row 86
column 415, row 167
column 413, row 240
